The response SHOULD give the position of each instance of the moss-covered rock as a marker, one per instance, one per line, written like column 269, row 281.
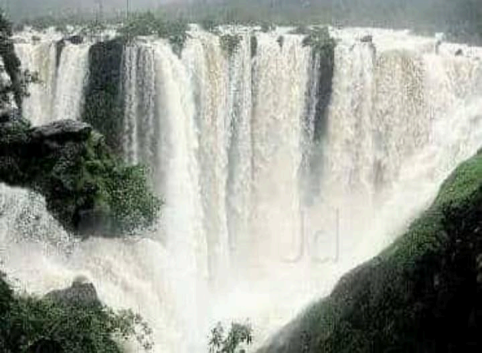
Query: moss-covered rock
column 423, row 294
column 87, row 189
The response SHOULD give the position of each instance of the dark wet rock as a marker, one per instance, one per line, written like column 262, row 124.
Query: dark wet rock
column 62, row 130
column 59, row 48
column 80, row 292
column 367, row 39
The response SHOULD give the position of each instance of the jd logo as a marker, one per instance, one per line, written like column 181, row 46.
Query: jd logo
column 319, row 245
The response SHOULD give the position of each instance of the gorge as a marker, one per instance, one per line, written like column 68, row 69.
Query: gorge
column 277, row 175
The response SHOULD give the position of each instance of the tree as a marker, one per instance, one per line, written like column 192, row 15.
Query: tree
column 239, row 335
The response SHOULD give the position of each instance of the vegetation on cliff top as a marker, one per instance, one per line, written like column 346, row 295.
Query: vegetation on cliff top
column 423, row 294
column 148, row 24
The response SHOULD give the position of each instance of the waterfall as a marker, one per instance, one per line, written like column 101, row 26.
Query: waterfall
column 71, row 76
column 260, row 217
column 41, row 59
column 59, row 92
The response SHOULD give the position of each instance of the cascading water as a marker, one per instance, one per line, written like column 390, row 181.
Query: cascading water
column 71, row 77
column 59, row 92
column 227, row 137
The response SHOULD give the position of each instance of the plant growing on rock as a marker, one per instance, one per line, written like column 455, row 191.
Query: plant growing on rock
column 320, row 40
column 148, row 24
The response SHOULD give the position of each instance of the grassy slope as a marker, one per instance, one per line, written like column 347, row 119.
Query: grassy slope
column 422, row 294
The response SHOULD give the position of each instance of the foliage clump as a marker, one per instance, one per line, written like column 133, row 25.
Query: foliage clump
column 236, row 340
column 320, row 40
column 19, row 80
column 41, row 325
column 87, row 189
column 230, row 43
column 148, row 24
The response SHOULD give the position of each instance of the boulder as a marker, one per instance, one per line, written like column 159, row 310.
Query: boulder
column 367, row 39
column 80, row 292
column 62, row 130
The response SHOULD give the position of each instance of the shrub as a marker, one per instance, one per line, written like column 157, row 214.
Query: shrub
column 238, row 336
column 147, row 24
column 140, row 24
column 39, row 325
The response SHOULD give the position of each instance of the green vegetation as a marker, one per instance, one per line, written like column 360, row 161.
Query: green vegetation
column 230, row 43
column 420, row 295
column 148, row 24
column 319, row 39
column 20, row 80
column 239, row 335
column 461, row 19
column 87, row 189
column 41, row 325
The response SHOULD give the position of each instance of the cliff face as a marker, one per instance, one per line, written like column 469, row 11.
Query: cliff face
column 423, row 294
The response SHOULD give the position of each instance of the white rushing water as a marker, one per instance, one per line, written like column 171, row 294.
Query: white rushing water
column 227, row 138
column 59, row 92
